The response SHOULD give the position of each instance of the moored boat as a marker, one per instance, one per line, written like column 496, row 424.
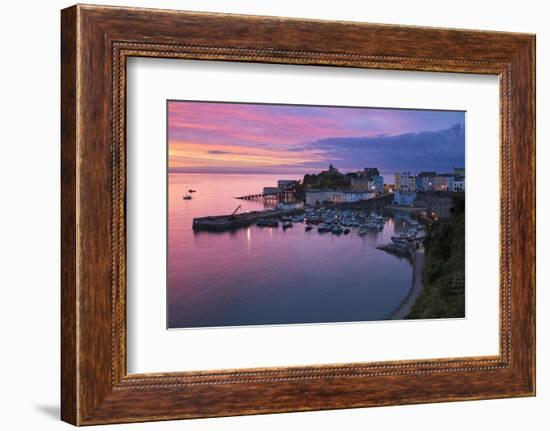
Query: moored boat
column 322, row 227
column 272, row 223
column 403, row 238
column 337, row 230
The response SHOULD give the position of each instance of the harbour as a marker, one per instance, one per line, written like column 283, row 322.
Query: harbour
column 389, row 227
column 237, row 220
column 247, row 271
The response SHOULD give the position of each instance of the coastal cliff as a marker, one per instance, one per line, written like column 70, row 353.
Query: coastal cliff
column 443, row 277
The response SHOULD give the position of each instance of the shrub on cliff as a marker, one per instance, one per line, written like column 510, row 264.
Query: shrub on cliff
column 443, row 278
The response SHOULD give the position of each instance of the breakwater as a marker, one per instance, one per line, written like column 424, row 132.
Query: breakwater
column 405, row 251
column 229, row 222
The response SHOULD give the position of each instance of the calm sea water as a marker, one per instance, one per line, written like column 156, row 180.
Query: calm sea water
column 256, row 276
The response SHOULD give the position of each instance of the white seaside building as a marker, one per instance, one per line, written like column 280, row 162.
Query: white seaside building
column 316, row 197
column 405, row 182
column 286, row 206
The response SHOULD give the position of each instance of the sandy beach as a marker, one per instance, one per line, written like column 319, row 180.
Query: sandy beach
column 416, row 287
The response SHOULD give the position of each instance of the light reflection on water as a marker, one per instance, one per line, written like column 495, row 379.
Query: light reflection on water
column 255, row 275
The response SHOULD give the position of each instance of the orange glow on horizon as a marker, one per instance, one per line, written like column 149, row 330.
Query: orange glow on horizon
column 192, row 154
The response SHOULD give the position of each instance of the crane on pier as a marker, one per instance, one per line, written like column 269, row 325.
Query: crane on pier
column 235, row 211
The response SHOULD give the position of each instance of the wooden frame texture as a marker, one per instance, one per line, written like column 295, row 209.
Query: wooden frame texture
column 95, row 43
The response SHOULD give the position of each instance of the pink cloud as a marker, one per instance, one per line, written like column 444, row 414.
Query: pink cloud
column 233, row 133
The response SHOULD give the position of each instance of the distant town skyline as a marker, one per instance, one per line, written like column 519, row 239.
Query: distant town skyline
column 211, row 137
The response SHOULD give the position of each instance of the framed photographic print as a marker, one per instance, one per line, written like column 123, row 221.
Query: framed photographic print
column 267, row 215
column 244, row 211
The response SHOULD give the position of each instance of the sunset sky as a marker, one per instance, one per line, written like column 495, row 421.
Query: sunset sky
column 230, row 137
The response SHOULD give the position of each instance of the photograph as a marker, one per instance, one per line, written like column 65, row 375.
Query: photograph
column 275, row 215
column 282, row 214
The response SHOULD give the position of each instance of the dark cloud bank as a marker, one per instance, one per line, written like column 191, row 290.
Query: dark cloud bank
column 439, row 150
